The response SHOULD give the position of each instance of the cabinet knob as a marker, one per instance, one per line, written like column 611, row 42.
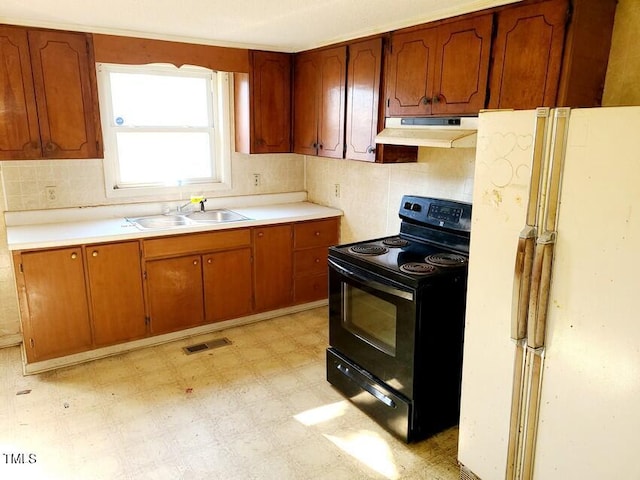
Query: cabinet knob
column 209, row 261
column 426, row 100
column 317, row 234
column 436, row 99
column 371, row 149
column 260, row 234
column 320, row 146
column 195, row 262
column 94, row 253
column 317, row 260
column 74, row 255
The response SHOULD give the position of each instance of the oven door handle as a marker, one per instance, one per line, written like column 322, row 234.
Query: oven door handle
column 365, row 386
column 396, row 292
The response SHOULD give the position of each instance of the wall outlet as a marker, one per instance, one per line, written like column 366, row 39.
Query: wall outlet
column 257, row 179
column 51, row 194
column 336, row 190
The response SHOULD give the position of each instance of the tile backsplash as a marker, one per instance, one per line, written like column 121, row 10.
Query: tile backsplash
column 370, row 194
column 81, row 182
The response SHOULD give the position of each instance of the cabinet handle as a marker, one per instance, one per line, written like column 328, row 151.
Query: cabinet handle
column 94, row 253
column 315, row 145
column 371, row 149
column 50, row 147
column 426, row 100
column 74, row 255
column 436, row 98
column 320, row 146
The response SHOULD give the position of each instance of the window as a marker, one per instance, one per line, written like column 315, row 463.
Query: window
column 166, row 129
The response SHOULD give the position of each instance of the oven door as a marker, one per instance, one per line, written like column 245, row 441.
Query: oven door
column 372, row 322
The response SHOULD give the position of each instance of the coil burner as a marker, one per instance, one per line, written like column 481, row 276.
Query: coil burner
column 418, row 268
column 446, row 260
column 395, row 242
column 368, row 250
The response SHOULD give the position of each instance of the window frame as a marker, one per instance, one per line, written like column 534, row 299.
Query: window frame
column 219, row 110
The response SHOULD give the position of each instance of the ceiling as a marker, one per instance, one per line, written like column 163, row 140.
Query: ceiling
column 280, row 25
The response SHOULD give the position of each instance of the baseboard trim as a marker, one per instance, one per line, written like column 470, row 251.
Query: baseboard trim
column 46, row 365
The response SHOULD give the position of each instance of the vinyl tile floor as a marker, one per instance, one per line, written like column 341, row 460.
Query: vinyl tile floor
column 259, row 408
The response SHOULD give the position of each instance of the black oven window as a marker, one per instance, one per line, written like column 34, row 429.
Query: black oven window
column 370, row 317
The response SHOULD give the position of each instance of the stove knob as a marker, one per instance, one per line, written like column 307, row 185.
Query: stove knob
column 416, row 207
column 407, row 205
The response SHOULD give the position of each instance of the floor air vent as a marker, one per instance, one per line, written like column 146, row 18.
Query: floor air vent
column 199, row 347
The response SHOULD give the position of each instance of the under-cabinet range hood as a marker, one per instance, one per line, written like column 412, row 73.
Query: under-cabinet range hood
column 440, row 132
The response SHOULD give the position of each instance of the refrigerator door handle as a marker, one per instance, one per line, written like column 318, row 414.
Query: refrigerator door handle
column 540, row 286
column 522, row 283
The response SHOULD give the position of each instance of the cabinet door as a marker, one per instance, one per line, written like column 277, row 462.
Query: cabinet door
column 333, row 77
column 363, row 93
column 19, row 133
column 271, row 102
column 227, row 284
column 58, row 320
column 462, row 66
column 526, row 73
column 66, row 99
column 272, row 264
column 175, row 293
column 115, row 290
column 305, row 104
column 411, row 70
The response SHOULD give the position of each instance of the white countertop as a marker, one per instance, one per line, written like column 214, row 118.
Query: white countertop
column 63, row 230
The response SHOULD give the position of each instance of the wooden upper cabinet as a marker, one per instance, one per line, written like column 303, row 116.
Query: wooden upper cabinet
column 263, row 104
column 526, row 73
column 19, row 131
column 53, row 113
column 363, row 94
column 410, row 73
column 319, row 102
column 63, row 73
column 440, row 70
column 305, row 104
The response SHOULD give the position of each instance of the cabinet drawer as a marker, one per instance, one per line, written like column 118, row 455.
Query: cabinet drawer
column 196, row 242
column 310, row 261
column 308, row 289
column 315, row 234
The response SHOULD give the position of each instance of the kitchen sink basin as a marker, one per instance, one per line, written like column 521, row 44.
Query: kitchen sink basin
column 156, row 222
column 215, row 216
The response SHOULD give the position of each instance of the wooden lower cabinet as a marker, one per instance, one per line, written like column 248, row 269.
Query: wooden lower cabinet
column 273, row 268
column 55, row 309
column 174, row 289
column 115, row 292
column 227, row 284
column 311, row 243
column 85, row 297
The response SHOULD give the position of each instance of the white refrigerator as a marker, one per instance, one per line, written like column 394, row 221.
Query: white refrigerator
column 551, row 370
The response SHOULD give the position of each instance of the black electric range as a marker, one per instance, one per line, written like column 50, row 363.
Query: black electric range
column 396, row 318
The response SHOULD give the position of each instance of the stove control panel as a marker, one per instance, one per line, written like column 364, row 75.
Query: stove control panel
column 437, row 212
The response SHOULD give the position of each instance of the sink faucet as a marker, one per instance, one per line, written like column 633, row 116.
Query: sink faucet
column 181, row 208
column 202, row 204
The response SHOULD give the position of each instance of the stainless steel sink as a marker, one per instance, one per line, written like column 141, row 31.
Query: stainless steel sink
column 215, row 216
column 157, row 222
